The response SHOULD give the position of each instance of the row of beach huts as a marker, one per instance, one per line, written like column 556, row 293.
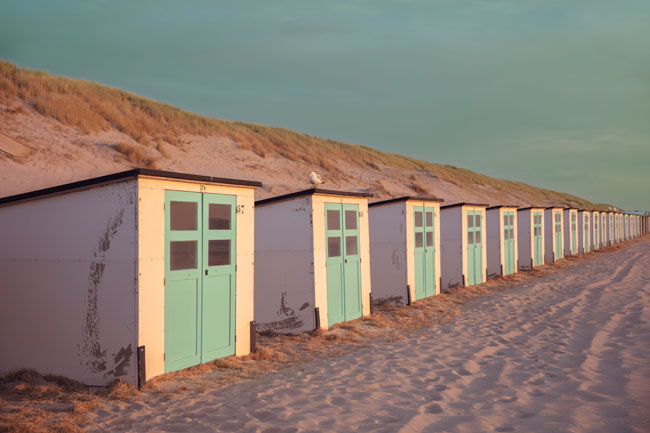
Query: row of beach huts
column 144, row 272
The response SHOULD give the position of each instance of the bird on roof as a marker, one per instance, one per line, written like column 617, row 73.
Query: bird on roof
column 315, row 179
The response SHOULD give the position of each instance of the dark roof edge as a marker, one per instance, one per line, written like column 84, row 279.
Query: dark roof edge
column 555, row 207
column 312, row 191
column 136, row 172
column 405, row 198
column 530, row 207
column 504, row 205
column 464, row 204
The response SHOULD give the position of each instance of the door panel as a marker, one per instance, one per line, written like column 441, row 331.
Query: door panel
column 420, row 254
column 429, row 252
column 537, row 234
column 351, row 262
column 559, row 253
column 474, row 248
column 334, row 263
column 508, row 242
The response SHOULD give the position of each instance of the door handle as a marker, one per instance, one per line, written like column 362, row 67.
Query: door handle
column 206, row 272
column 346, row 260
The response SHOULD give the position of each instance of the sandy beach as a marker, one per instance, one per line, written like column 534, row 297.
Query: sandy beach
column 565, row 352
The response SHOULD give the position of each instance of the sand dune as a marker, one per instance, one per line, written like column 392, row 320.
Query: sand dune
column 566, row 352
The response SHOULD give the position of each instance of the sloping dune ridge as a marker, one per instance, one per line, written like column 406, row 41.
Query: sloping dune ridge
column 55, row 130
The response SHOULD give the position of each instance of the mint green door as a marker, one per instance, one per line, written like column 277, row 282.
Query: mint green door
column 596, row 242
column 199, row 278
column 218, row 339
column 559, row 253
column 474, row 248
column 574, row 233
column 508, row 243
column 585, row 235
column 537, row 238
column 425, row 276
column 343, row 262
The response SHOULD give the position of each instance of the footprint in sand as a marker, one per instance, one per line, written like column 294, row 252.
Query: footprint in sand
column 435, row 397
column 434, row 408
column 536, row 393
column 525, row 414
column 440, row 388
column 537, row 382
column 463, row 372
column 510, row 399
column 504, row 428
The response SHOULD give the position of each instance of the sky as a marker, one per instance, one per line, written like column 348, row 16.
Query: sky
column 555, row 93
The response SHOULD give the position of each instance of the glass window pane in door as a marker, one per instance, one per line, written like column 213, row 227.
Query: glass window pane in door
column 477, row 220
column 333, row 220
column 334, row 246
column 351, row 246
column 418, row 219
column 429, row 239
column 350, row 220
column 470, row 221
column 182, row 255
column 429, row 219
column 470, row 238
column 182, row 215
column 219, row 252
column 418, row 240
column 219, row 216
column 477, row 237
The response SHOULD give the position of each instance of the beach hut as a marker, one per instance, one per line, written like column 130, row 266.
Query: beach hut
column 554, row 227
column 603, row 229
column 610, row 228
column 501, row 227
column 571, row 231
column 627, row 226
column 404, row 249
column 530, row 237
column 584, row 231
column 126, row 276
column 462, row 242
column 312, row 260
column 595, row 230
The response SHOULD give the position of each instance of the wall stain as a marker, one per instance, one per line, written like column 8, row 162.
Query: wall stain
column 121, row 361
column 288, row 318
column 395, row 259
column 90, row 350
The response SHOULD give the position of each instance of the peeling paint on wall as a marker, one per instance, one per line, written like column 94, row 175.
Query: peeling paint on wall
column 90, row 351
column 288, row 318
column 395, row 259
column 121, row 360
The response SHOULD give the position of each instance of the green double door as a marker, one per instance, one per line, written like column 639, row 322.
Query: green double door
column 538, row 243
column 199, row 278
column 574, row 233
column 585, row 235
column 343, row 262
column 596, row 234
column 474, row 248
column 509, row 243
column 557, row 217
column 425, row 253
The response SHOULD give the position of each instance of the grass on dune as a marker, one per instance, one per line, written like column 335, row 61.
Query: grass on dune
column 93, row 107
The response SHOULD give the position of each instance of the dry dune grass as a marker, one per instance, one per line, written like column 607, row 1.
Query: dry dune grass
column 31, row 402
column 92, row 107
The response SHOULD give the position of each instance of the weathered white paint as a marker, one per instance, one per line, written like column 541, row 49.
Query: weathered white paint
column 290, row 273
column 526, row 237
column 549, row 241
column 495, row 240
column 151, row 263
column 566, row 217
column 68, row 286
column 453, row 244
column 392, row 248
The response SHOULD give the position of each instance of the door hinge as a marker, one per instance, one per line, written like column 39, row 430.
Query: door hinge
column 164, row 356
column 164, row 281
column 164, row 206
column 235, row 268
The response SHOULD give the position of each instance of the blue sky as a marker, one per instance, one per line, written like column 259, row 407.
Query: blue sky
column 553, row 93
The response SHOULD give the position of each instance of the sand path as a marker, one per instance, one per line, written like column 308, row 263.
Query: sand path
column 569, row 352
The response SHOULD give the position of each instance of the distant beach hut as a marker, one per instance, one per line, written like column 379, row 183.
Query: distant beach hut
column 501, row 240
column 126, row 276
column 462, row 242
column 530, row 237
column 404, row 249
column 610, row 228
column 584, row 231
column 312, row 260
column 603, row 229
column 627, row 227
column 570, row 216
column 554, row 247
column 595, row 230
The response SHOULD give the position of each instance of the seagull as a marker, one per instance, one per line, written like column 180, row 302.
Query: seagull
column 315, row 179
